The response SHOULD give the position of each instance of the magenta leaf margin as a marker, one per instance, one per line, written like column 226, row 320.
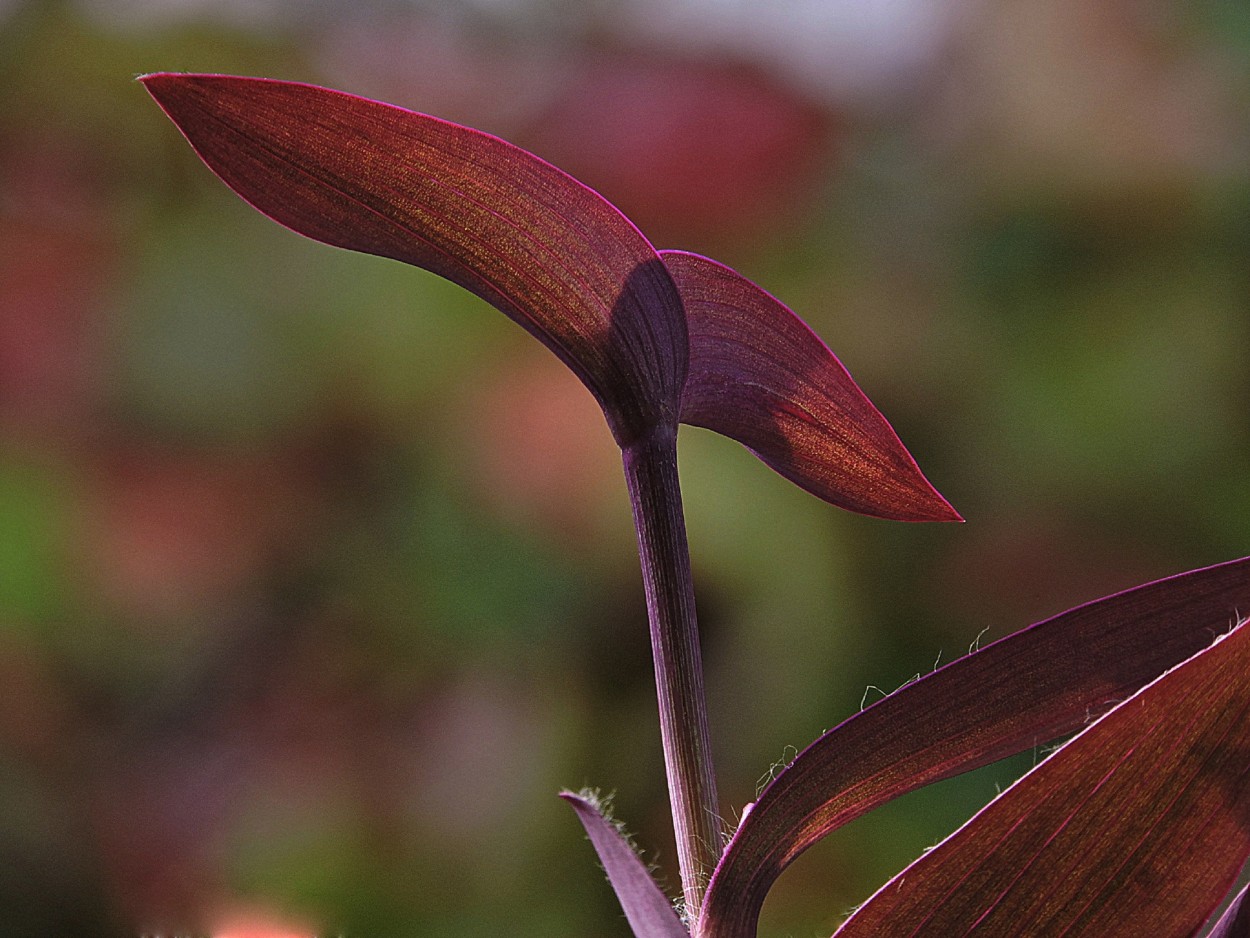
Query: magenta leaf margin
column 1139, row 825
column 759, row 375
column 1020, row 691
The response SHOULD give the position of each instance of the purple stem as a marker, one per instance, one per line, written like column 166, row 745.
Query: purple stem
column 651, row 474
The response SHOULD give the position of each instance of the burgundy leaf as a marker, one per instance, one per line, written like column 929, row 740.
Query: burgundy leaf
column 1021, row 691
column 1235, row 922
column 546, row 250
column 647, row 909
column 1137, row 826
column 758, row 374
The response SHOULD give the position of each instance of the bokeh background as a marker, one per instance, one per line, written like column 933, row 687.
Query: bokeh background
column 317, row 578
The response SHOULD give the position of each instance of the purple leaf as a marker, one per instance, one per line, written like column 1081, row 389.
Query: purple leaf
column 562, row 262
column 1020, row 691
column 1235, row 922
column 758, row 374
column 546, row 250
column 1137, row 826
column 647, row 909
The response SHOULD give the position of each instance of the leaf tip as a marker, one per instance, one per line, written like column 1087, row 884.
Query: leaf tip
column 944, row 510
column 157, row 80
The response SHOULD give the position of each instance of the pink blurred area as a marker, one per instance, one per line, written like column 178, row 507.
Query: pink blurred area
column 259, row 926
column 695, row 149
column 316, row 579
column 59, row 255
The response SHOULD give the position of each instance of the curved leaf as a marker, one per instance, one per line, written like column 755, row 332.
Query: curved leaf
column 647, row 909
column 759, row 375
column 548, row 251
column 1020, row 691
column 1137, row 826
column 1235, row 922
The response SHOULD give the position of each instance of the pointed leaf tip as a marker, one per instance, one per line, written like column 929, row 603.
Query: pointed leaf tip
column 549, row 252
column 647, row 909
column 759, row 375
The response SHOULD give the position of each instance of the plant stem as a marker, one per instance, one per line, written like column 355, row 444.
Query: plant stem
column 651, row 474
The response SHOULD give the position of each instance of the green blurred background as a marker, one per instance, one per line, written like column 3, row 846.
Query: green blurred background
column 317, row 578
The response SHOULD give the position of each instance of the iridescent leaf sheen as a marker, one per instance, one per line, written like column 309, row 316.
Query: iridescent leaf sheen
column 1235, row 922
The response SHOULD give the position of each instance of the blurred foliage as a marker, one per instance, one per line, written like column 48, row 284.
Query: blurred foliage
column 316, row 575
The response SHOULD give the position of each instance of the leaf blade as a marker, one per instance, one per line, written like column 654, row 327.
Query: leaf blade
column 1235, row 922
column 759, row 375
column 1019, row 691
column 549, row 252
column 1086, row 841
column 647, row 909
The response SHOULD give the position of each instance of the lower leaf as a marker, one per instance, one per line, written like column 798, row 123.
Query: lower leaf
column 1235, row 922
column 646, row 908
column 1028, row 688
column 1137, row 826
